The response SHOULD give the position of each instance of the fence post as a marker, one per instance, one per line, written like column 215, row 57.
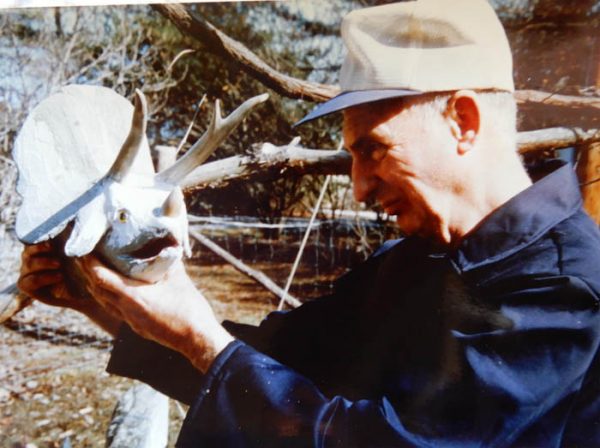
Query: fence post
column 588, row 166
column 588, row 171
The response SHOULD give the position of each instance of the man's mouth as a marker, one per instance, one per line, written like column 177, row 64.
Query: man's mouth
column 392, row 207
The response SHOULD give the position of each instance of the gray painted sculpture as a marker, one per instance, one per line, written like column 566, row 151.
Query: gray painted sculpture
column 79, row 189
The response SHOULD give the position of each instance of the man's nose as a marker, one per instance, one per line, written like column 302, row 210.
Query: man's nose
column 364, row 182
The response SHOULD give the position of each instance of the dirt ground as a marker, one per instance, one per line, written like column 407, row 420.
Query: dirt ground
column 52, row 381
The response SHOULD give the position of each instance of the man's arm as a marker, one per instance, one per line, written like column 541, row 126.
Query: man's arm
column 42, row 278
column 508, row 386
column 290, row 337
column 294, row 338
column 171, row 312
column 516, row 386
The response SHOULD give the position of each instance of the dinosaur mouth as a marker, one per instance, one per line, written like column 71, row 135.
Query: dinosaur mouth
column 154, row 247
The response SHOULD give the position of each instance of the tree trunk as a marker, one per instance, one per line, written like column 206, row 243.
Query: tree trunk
column 588, row 166
column 588, row 171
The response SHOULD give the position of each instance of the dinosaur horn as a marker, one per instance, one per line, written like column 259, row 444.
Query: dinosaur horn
column 133, row 142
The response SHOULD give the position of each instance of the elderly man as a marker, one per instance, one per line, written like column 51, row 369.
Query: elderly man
column 481, row 327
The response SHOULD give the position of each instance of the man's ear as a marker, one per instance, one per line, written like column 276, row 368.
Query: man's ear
column 463, row 113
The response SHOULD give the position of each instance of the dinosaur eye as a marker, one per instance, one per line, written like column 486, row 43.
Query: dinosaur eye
column 122, row 216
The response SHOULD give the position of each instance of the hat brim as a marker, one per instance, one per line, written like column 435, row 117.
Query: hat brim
column 354, row 98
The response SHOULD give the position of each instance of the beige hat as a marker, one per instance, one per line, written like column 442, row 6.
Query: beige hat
column 420, row 46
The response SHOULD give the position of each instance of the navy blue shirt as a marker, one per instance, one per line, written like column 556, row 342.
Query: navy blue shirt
column 492, row 344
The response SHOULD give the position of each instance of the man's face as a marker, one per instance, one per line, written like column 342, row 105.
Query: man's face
column 400, row 158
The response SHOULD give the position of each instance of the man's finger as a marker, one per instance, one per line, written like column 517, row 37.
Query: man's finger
column 30, row 284
column 103, row 283
column 40, row 263
column 60, row 291
column 102, row 275
column 35, row 249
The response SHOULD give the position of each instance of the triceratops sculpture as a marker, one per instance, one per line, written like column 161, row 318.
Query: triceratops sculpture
column 79, row 188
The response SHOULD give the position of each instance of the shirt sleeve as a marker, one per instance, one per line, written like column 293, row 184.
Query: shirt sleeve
column 249, row 399
column 512, row 386
column 164, row 369
column 294, row 337
column 168, row 371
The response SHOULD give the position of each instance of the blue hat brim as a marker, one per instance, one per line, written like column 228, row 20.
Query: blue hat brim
column 354, row 98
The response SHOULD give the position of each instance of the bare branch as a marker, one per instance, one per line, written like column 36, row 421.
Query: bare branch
column 179, row 56
column 550, row 99
column 222, row 45
column 555, row 138
column 189, row 129
column 268, row 160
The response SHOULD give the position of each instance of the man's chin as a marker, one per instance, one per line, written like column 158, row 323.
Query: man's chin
column 406, row 227
column 409, row 226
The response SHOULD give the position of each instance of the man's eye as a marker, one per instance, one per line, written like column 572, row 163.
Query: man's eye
column 372, row 151
column 378, row 153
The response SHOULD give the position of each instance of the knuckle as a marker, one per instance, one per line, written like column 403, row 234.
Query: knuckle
column 101, row 282
column 22, row 284
column 25, row 260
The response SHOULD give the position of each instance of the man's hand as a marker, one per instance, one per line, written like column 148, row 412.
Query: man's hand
column 42, row 277
column 171, row 311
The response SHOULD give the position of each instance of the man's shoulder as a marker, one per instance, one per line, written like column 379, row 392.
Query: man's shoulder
column 569, row 250
column 578, row 244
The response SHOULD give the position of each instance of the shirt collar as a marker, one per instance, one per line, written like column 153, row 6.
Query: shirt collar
column 523, row 219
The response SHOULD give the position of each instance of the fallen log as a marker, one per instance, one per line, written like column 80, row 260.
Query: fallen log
column 254, row 274
column 270, row 161
column 555, row 138
column 557, row 100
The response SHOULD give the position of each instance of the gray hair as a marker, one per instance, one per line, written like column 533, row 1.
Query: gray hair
column 498, row 110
